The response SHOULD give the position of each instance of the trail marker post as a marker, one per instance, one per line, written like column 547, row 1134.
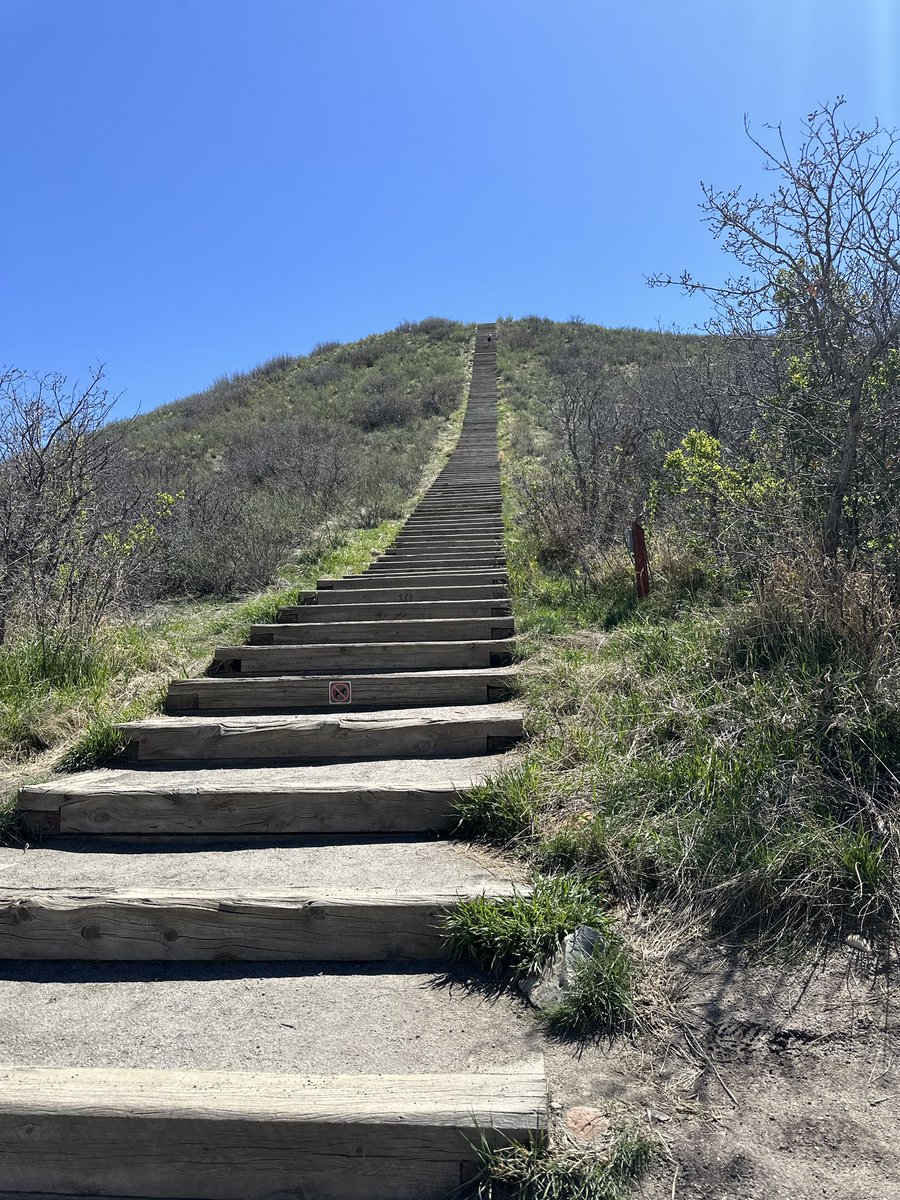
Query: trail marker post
column 637, row 548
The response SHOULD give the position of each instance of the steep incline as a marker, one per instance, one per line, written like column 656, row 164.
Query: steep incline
column 360, row 712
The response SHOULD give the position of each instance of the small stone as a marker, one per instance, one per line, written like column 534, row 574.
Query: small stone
column 586, row 1125
column 549, row 986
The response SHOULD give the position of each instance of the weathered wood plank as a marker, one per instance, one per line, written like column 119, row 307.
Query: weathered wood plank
column 394, row 610
column 393, row 796
column 419, row 593
column 463, row 629
column 158, row 925
column 497, row 577
column 255, row 1136
column 282, row 693
column 400, row 733
column 347, row 658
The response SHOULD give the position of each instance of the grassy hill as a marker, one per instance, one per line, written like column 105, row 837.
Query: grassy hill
column 234, row 497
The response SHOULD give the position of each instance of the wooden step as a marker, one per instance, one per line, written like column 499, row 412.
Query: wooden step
column 351, row 658
column 391, row 796
column 472, row 524
column 216, row 1135
column 331, row 737
column 440, row 537
column 205, row 925
column 461, row 629
column 388, row 594
column 322, row 693
column 462, row 578
column 437, row 562
column 474, row 555
column 495, row 577
column 397, row 610
column 429, row 546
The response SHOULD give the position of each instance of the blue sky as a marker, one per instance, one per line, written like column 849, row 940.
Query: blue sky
column 194, row 186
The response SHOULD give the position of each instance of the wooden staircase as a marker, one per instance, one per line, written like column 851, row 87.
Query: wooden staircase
column 362, row 710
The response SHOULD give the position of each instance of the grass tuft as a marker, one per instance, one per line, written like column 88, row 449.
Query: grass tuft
column 10, row 821
column 540, row 1172
column 520, row 934
column 600, row 997
column 504, row 809
column 101, row 745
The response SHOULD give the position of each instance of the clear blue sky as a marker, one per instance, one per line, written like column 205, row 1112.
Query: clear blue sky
column 193, row 186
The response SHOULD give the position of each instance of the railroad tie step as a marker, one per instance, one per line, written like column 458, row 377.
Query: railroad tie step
column 498, row 577
column 406, row 595
column 349, row 657
column 322, row 693
column 394, row 610
column 157, row 924
column 444, row 732
column 446, row 629
column 390, row 796
column 215, row 1135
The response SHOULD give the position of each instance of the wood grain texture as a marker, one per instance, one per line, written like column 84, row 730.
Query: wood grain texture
column 394, row 610
column 414, row 733
column 376, row 595
column 497, row 576
column 244, row 694
column 159, row 925
column 449, row 629
column 392, row 796
column 255, row 1136
column 366, row 657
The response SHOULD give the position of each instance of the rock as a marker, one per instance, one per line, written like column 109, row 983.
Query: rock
column 588, row 1126
column 548, row 988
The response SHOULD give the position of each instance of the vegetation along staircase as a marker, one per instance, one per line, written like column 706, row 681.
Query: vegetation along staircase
column 362, row 711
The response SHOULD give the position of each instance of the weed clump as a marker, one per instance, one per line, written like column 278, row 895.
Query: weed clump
column 101, row 745
column 600, row 998
column 518, row 935
column 502, row 811
column 541, row 1172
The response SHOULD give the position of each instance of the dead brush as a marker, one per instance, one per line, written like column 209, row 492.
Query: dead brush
column 560, row 1170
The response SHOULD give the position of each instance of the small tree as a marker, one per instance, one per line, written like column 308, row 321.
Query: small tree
column 820, row 280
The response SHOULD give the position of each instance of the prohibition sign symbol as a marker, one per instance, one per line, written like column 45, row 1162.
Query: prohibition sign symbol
column 340, row 691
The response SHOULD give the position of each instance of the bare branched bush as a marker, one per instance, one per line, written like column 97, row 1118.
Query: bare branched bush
column 596, row 471
column 819, row 263
column 69, row 524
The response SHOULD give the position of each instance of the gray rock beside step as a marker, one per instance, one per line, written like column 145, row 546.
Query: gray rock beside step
column 549, row 986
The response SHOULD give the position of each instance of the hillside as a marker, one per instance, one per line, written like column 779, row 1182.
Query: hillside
column 707, row 777
column 196, row 516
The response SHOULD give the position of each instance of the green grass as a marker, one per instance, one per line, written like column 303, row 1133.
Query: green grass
column 419, row 365
column 538, row 1172
column 517, row 936
column 503, row 811
column 9, row 820
column 706, row 759
column 72, row 706
column 720, row 757
column 601, row 997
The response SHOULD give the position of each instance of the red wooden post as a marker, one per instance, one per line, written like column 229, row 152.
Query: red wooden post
column 638, row 547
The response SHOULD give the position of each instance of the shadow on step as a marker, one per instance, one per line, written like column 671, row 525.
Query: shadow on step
column 66, row 972
column 190, row 844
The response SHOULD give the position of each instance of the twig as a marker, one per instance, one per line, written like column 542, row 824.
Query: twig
column 709, row 1062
